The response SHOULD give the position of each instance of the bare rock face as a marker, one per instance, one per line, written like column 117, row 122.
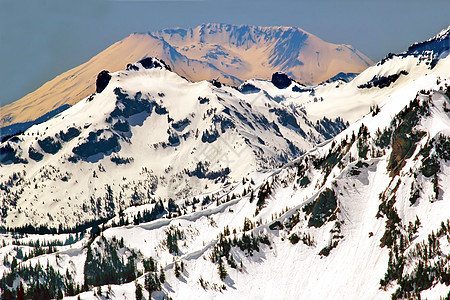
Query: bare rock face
column 281, row 80
column 103, row 79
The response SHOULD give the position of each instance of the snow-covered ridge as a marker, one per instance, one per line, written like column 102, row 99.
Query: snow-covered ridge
column 169, row 137
column 351, row 100
column 364, row 215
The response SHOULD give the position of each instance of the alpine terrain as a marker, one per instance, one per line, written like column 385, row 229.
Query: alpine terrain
column 228, row 53
column 157, row 187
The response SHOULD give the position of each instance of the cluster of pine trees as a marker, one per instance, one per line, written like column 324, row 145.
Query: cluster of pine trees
column 430, row 265
column 56, row 284
column 247, row 243
column 105, row 264
column 174, row 234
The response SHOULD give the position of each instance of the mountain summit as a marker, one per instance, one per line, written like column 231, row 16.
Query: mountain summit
column 241, row 52
column 229, row 53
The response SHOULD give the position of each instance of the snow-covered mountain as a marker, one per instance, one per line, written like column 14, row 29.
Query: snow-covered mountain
column 363, row 215
column 229, row 53
column 351, row 100
column 146, row 133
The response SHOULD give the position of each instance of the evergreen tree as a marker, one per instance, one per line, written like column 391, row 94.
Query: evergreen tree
column 138, row 291
column 152, row 283
column 162, row 276
column 222, row 270
column 177, row 270
column 20, row 292
column 60, row 295
column 7, row 295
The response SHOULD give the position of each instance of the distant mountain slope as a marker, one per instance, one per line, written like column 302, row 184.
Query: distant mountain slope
column 229, row 53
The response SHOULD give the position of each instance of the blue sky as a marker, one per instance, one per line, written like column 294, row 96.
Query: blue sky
column 40, row 39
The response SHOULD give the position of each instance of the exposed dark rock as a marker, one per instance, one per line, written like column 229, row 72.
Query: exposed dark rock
column 210, row 136
column 34, row 154
column 203, row 100
column 71, row 133
column 95, row 145
column 202, row 171
column 301, row 90
column 287, row 119
column 131, row 67
column 174, row 140
column 346, row 77
column 12, row 138
column 160, row 110
column 121, row 160
column 382, row 81
column 277, row 225
column 295, row 151
column 129, row 106
column 9, row 154
column 216, row 83
column 121, row 125
column 281, row 80
column 103, row 79
column 437, row 45
column 150, row 63
column 73, row 159
column 248, row 88
column 180, row 125
column 225, row 123
column 50, row 145
column 244, row 119
column 322, row 209
column 330, row 128
column 430, row 166
column 405, row 137
column 276, row 128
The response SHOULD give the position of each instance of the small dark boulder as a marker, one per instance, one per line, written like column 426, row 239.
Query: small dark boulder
column 216, row 83
column 103, row 79
column 281, row 80
column 150, row 63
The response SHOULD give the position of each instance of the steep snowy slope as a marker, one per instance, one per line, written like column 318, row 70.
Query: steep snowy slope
column 362, row 216
column 353, row 99
column 229, row 53
column 146, row 133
